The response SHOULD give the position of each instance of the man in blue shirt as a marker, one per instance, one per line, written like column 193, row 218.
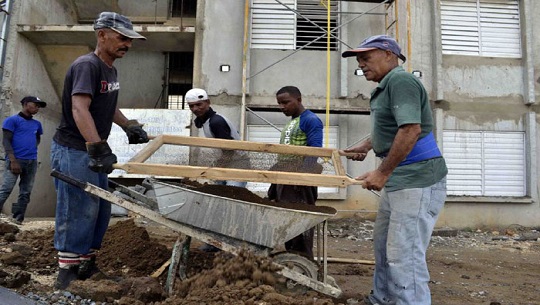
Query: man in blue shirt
column 22, row 134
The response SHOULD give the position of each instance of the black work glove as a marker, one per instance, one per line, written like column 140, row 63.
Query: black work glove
column 135, row 133
column 101, row 157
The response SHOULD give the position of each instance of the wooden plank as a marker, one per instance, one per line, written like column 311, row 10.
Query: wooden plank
column 218, row 173
column 249, row 146
column 148, row 150
column 160, row 270
column 338, row 165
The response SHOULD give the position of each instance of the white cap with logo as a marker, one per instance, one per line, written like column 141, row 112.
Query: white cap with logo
column 196, row 95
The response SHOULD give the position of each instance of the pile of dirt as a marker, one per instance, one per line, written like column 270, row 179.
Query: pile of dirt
column 129, row 255
column 128, row 250
column 245, row 279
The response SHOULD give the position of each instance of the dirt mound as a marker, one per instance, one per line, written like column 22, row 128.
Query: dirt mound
column 129, row 254
column 244, row 279
column 128, row 250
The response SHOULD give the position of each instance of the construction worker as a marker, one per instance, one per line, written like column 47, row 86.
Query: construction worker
column 411, row 176
column 80, row 149
column 22, row 134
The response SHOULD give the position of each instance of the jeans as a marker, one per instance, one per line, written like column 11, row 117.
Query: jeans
column 28, row 173
column 81, row 219
column 401, row 234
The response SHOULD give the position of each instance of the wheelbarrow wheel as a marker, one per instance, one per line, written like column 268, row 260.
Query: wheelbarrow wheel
column 299, row 264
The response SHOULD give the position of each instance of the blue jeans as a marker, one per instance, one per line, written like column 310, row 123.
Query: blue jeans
column 28, row 173
column 81, row 219
column 401, row 234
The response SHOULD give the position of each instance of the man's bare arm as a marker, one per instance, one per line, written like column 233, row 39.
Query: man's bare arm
column 119, row 118
column 83, row 119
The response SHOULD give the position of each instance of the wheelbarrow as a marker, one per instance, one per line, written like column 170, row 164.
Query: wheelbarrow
column 228, row 224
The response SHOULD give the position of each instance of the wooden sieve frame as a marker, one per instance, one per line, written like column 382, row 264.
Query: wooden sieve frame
column 136, row 164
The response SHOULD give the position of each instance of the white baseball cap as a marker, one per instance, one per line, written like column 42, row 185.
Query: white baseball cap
column 196, row 95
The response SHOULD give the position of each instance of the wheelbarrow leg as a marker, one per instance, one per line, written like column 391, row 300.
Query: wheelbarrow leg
column 178, row 264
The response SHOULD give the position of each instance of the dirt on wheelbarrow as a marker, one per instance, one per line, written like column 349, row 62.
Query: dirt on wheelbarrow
column 241, row 193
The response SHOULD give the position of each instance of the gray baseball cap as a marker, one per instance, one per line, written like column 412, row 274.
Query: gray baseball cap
column 117, row 23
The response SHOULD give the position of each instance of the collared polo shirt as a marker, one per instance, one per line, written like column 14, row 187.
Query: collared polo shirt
column 400, row 99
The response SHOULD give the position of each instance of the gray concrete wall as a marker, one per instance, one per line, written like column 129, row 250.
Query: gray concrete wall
column 141, row 75
column 475, row 93
column 219, row 35
column 88, row 10
column 26, row 75
column 40, row 70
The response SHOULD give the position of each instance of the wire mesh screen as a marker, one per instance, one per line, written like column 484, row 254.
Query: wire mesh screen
column 242, row 159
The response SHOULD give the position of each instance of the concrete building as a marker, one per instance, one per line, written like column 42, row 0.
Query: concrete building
column 474, row 57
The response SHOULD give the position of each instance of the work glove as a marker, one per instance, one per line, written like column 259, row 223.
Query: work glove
column 135, row 133
column 101, row 157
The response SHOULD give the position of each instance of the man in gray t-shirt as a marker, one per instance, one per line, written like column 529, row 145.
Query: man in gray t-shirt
column 80, row 149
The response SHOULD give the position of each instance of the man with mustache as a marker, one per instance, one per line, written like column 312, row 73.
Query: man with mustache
column 80, row 149
column 411, row 175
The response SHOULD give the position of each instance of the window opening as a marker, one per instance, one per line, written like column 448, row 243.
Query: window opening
column 180, row 78
column 480, row 28
column 184, row 8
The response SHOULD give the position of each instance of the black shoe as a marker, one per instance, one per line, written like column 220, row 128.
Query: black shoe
column 15, row 221
column 209, row 248
column 87, row 268
column 66, row 276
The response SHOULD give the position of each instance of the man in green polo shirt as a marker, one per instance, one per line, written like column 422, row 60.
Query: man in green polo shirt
column 411, row 176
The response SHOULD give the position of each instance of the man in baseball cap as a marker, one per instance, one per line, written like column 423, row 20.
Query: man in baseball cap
column 216, row 126
column 411, row 166
column 80, row 148
column 117, row 23
column 21, row 137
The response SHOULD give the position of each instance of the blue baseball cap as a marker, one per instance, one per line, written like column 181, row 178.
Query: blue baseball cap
column 381, row 42
column 117, row 23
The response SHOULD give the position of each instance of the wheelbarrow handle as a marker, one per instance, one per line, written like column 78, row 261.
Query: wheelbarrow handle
column 69, row 179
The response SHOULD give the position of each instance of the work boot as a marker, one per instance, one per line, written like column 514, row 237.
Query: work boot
column 66, row 276
column 15, row 221
column 87, row 268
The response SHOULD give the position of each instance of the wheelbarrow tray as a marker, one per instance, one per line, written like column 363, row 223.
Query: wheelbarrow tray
column 256, row 223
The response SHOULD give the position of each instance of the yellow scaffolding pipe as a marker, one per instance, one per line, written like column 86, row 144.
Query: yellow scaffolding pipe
column 328, row 6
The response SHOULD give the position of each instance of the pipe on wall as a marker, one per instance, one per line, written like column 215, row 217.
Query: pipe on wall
column 3, row 36
column 437, row 51
column 245, row 55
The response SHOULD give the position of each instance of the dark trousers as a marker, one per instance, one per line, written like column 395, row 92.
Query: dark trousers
column 296, row 194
